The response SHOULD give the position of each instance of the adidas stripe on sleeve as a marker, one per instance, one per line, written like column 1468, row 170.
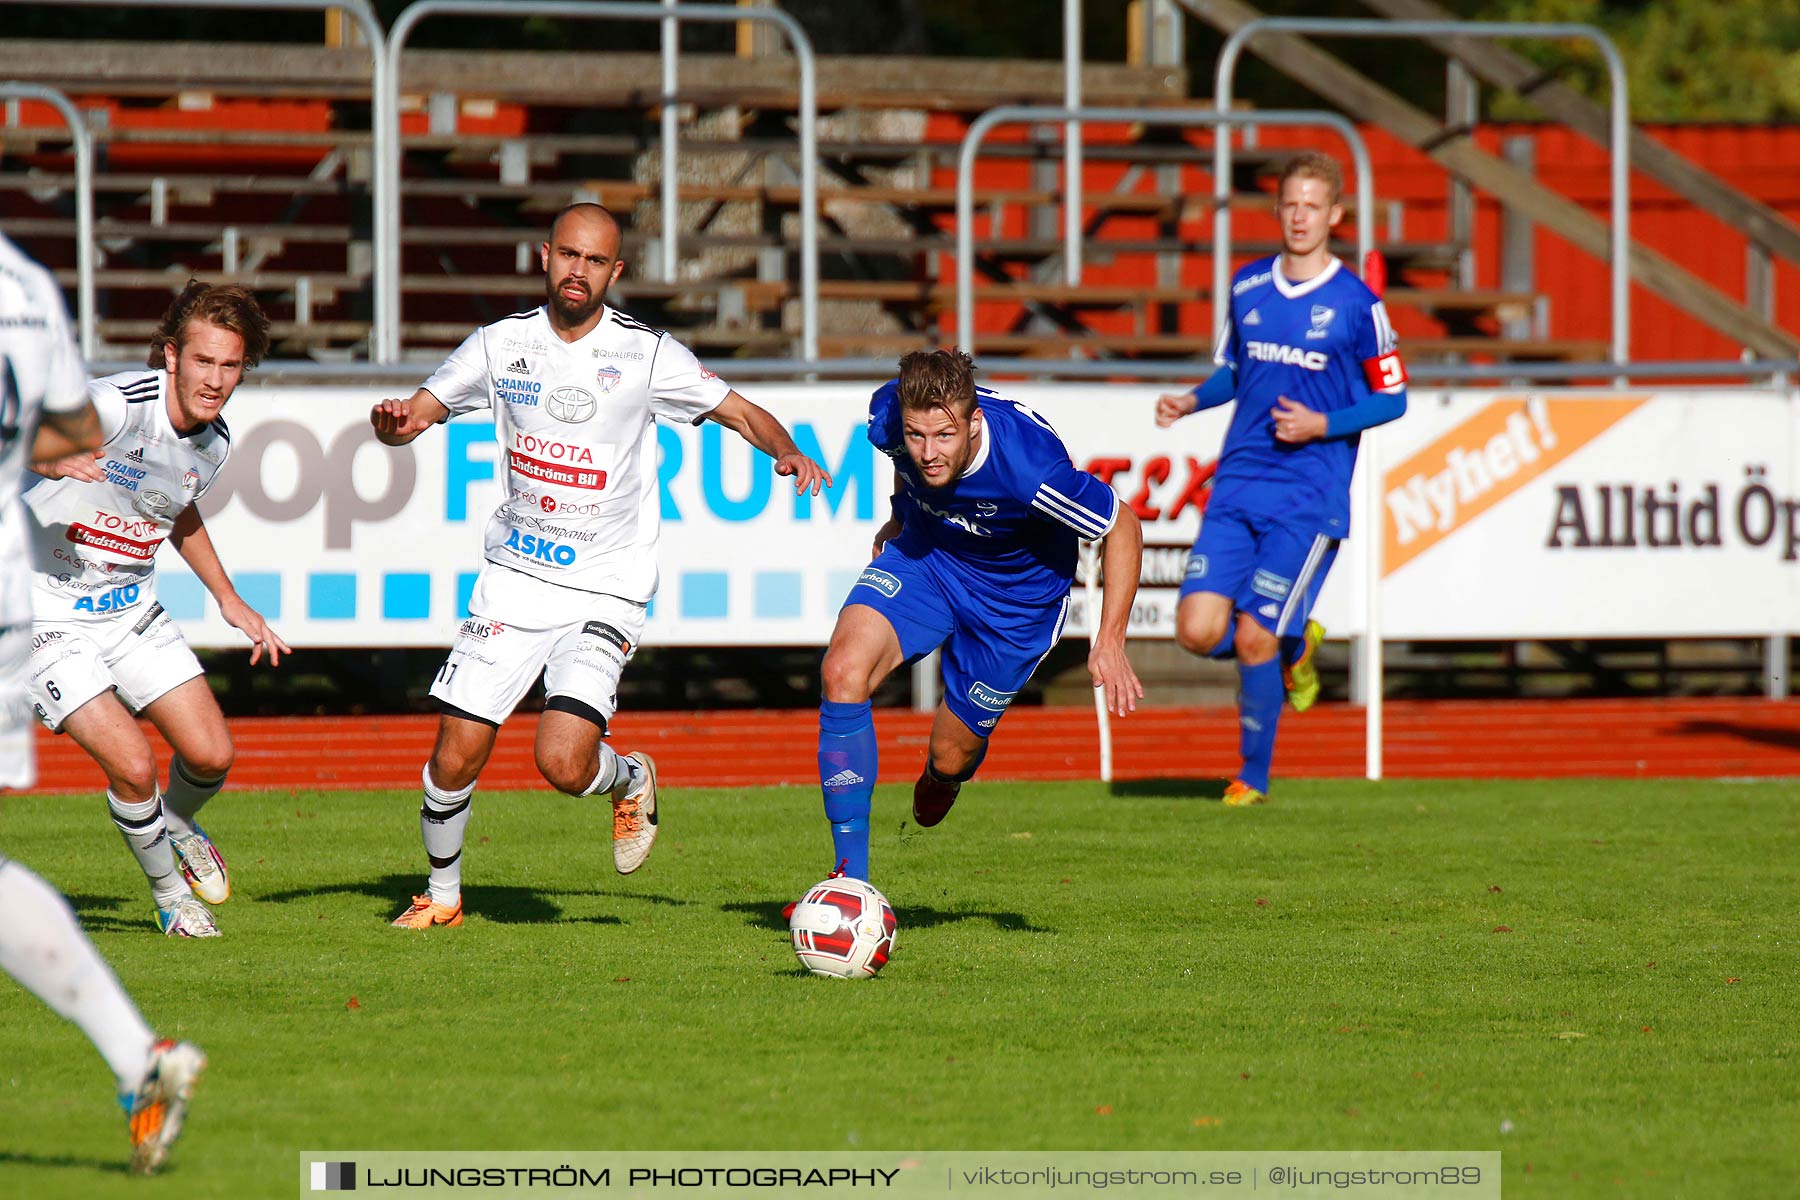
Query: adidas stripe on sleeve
column 1078, row 500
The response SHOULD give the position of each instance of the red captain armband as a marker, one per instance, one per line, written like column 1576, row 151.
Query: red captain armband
column 1384, row 371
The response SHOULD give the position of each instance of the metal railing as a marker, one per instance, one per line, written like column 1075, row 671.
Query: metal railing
column 1777, row 373
column 1072, row 156
column 1020, row 113
column 387, row 275
column 1367, row 675
column 364, row 17
column 1620, row 132
column 86, row 323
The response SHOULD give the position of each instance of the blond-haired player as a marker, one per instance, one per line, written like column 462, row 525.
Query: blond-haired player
column 102, row 646
column 44, row 412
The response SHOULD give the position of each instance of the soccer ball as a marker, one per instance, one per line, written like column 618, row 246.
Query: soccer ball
column 843, row 928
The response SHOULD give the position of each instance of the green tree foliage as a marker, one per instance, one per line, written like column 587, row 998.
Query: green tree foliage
column 1686, row 60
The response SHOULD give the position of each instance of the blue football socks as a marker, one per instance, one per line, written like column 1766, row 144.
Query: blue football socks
column 1292, row 648
column 1259, row 711
column 848, row 762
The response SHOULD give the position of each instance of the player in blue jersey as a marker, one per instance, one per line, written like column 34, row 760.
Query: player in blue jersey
column 977, row 558
column 1308, row 353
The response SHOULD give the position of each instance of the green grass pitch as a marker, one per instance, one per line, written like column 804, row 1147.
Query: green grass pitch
column 1601, row 980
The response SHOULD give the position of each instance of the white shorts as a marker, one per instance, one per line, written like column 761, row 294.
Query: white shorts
column 142, row 655
column 18, row 764
column 580, row 642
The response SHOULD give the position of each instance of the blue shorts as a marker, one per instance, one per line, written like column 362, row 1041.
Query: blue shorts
column 1271, row 570
column 990, row 647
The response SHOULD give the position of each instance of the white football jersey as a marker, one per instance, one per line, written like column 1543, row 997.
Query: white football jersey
column 40, row 371
column 94, row 545
column 577, row 428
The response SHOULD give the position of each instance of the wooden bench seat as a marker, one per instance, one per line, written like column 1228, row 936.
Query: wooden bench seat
column 173, row 280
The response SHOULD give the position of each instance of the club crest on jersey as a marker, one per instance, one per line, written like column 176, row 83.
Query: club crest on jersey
column 608, row 378
column 570, row 405
column 190, row 481
column 1321, row 321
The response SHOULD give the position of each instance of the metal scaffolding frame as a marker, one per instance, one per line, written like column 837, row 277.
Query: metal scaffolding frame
column 669, row 15
column 1620, row 130
column 1366, row 677
column 85, row 322
column 364, row 15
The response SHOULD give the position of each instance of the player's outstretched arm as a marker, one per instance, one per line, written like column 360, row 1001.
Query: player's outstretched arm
column 63, row 435
column 1121, row 558
column 194, row 544
column 1219, row 388
column 759, row 427
column 398, row 422
column 83, row 465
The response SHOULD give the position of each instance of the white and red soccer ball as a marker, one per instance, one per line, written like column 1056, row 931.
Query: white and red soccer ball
column 843, row 928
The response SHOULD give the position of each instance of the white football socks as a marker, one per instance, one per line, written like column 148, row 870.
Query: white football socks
column 442, row 819
column 147, row 837
column 42, row 946
column 615, row 769
column 184, row 796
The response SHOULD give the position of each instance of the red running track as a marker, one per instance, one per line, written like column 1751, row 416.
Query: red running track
column 1707, row 738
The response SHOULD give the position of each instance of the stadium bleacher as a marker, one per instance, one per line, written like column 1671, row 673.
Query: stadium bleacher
column 255, row 165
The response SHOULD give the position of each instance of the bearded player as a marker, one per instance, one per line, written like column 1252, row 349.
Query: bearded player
column 576, row 388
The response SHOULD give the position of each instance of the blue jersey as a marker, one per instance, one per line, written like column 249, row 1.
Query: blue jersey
column 1007, row 529
column 1323, row 343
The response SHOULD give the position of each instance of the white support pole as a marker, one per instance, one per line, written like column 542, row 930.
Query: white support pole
column 1090, row 569
column 1775, row 666
column 671, row 132
column 925, row 683
column 1373, row 533
column 1071, row 143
